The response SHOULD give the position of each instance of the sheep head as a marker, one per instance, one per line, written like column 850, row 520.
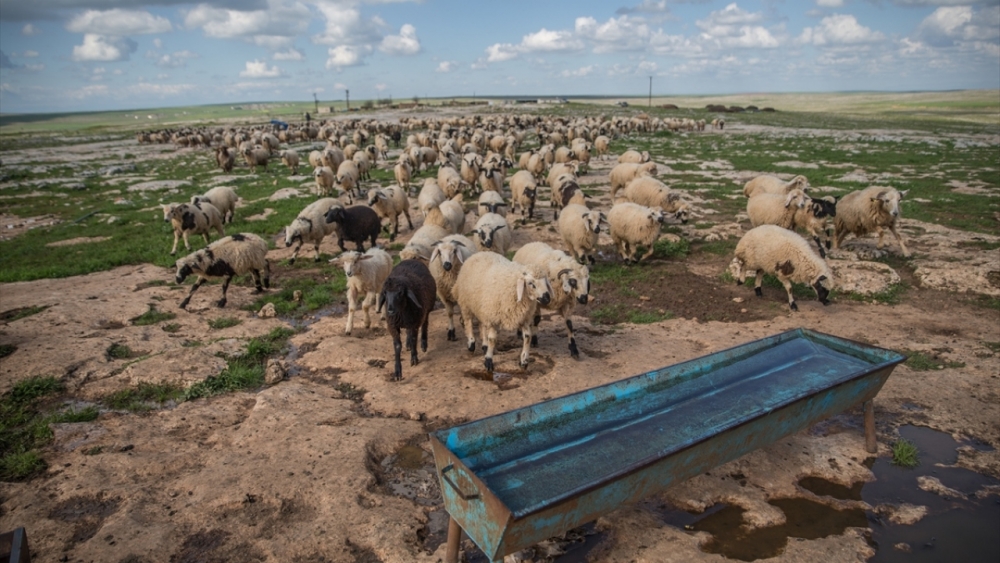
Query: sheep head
column 823, row 285
column 537, row 289
column 795, row 199
column 889, row 201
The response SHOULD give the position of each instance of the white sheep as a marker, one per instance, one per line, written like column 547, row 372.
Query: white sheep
column 332, row 157
column 871, row 209
column 365, row 275
column 236, row 255
column 491, row 179
column 558, row 170
column 389, row 203
column 500, row 295
column 450, row 181
column 492, row 202
column 403, row 172
column 770, row 249
column 445, row 263
column 449, row 215
column 325, row 180
column 431, row 195
column 422, row 242
column 524, row 191
column 601, row 144
column 776, row 209
column 631, row 225
column 471, row 165
column 766, row 184
column 315, row 159
column 223, row 198
column 290, row 158
column 310, row 226
column 570, row 282
column 624, row 173
column 635, row 156
column 580, row 227
column 348, row 178
column 256, row 157
column 651, row 192
column 363, row 162
column 492, row 233
column 192, row 219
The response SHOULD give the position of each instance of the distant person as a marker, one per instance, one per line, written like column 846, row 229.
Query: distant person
column 307, row 118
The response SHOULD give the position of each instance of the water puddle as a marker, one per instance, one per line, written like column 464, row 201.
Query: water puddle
column 821, row 487
column 304, row 321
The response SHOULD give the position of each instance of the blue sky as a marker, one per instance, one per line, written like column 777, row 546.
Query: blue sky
column 80, row 55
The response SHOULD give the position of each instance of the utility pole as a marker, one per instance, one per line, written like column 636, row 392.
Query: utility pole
column 650, row 91
column 316, row 101
column 347, row 94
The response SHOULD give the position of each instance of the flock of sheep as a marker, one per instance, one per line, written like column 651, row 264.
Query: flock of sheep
column 468, row 268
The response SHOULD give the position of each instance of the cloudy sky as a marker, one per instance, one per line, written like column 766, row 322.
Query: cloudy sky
column 77, row 55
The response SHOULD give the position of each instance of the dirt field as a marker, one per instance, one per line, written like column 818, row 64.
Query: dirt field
column 332, row 463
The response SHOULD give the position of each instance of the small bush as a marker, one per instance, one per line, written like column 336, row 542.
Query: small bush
column 245, row 371
column 6, row 350
column 171, row 328
column 20, row 466
column 118, row 352
column 86, row 414
column 152, row 316
column 143, row 397
column 904, row 453
column 664, row 248
column 224, row 322
column 20, row 313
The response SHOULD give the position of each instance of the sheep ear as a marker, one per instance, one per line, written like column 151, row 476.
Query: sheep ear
column 364, row 257
column 788, row 199
column 903, row 193
column 520, row 289
column 435, row 254
column 413, row 297
column 381, row 302
column 673, row 196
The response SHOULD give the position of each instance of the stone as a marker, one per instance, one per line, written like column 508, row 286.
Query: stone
column 267, row 311
column 275, row 371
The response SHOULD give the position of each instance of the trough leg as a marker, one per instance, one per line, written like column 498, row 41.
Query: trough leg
column 454, row 539
column 871, row 445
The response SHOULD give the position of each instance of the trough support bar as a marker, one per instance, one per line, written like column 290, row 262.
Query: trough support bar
column 871, row 444
column 454, row 539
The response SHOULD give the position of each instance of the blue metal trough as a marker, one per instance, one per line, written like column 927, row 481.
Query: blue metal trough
column 516, row 478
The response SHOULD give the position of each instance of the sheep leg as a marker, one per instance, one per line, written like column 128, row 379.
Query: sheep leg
column 366, row 307
column 788, row 288
column 352, row 306
column 316, row 248
column 838, row 237
column 395, row 228
column 534, row 332
column 186, row 244
column 881, row 234
column 194, row 288
column 176, row 238
column 758, row 279
column 411, row 343
column 295, row 254
column 449, row 307
column 205, row 236
column 819, row 245
column 225, row 288
column 470, row 336
column 267, row 274
column 258, row 288
column 902, row 247
column 649, row 251
column 574, row 352
column 423, row 334
column 408, row 222
column 397, row 347
column 526, row 346
column 491, row 340
column 483, row 336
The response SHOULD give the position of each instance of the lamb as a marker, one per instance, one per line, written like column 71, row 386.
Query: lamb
column 564, row 155
column 501, row 295
column 310, row 226
column 776, row 209
column 255, row 158
column 223, row 198
column 448, row 215
column 192, row 218
column 871, row 209
column 403, row 172
column 569, row 280
column 422, row 242
column 366, row 273
column 631, row 225
column 634, row 156
column 230, row 256
column 315, row 159
column 524, row 191
column 355, row 224
column 579, row 228
column 325, row 180
column 389, row 203
column 624, row 173
column 785, row 254
column 567, row 193
column 813, row 219
column 601, row 144
column 450, row 181
column 431, row 195
column 290, row 158
column 408, row 297
column 766, row 184
column 445, row 263
column 225, row 159
column 348, row 178
column 492, row 233
column 492, row 202
column 363, row 163
column 651, row 192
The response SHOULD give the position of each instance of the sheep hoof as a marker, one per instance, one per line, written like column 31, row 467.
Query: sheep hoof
column 739, row 281
column 472, row 346
column 451, row 335
column 347, row 333
column 757, row 291
column 258, row 290
column 184, row 303
column 316, row 259
column 397, row 376
column 520, row 334
column 291, row 261
column 174, row 253
column 414, row 361
column 221, row 303
column 793, row 306
column 488, row 364
column 574, row 352
column 534, row 341
column 524, row 366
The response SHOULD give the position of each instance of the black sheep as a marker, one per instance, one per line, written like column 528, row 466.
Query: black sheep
column 408, row 296
column 355, row 224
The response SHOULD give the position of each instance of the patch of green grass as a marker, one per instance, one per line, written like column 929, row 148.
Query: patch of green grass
column 94, row 450
column 24, row 427
column 646, row 317
column 891, row 295
column 980, row 244
column 664, row 248
column 244, row 371
column 18, row 466
column 85, row 414
column 920, row 361
column 143, row 397
column 904, row 453
column 33, row 388
column 171, row 327
column 717, row 247
column 7, row 349
column 152, row 316
column 118, row 352
column 22, row 312
column 316, row 294
column 224, row 322
column 992, row 346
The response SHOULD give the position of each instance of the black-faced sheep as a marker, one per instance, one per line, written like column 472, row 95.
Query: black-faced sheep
column 871, row 209
column 569, row 280
column 223, row 198
column 770, row 249
column 366, row 273
column 445, row 263
column 632, row 225
column 389, row 203
column 580, row 228
column 492, row 233
column 310, row 226
column 492, row 202
column 355, row 224
column 192, row 219
column 408, row 297
column 234, row 255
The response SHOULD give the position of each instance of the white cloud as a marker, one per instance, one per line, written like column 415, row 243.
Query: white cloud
column 381, row 87
column 259, row 69
column 726, row 22
column 88, row 91
column 616, row 34
column 445, row 66
column 35, row 68
column 118, row 22
column 499, row 52
column 291, row 54
column 103, row 48
column 345, row 55
column 274, row 28
column 176, row 59
column 345, row 26
column 830, row 3
column 840, row 29
column 546, row 40
column 149, row 89
column 947, row 25
column 406, row 43
column 29, row 54
column 580, row 72
column 29, row 29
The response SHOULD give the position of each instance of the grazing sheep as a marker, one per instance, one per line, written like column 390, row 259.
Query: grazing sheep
column 524, row 191
column 325, row 180
column 223, row 198
column 389, row 203
column 355, row 224
column 290, row 158
column 776, row 209
column 315, row 159
column 422, row 242
column 492, row 202
column 364, row 164
column 569, row 280
column 255, row 158
column 579, row 228
column 310, row 226
column 651, row 192
column 634, row 156
column 449, row 215
column 871, row 209
column 332, row 158
column 348, row 179
column 408, row 297
column 500, row 295
column 565, row 154
column 785, row 254
column 624, row 173
column 450, row 181
column 445, row 263
column 631, row 225
column 192, row 219
column 365, row 275
column 601, row 144
column 492, row 233
column 431, row 195
column 766, row 184
column 403, row 173
column 230, row 256
column 225, row 159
